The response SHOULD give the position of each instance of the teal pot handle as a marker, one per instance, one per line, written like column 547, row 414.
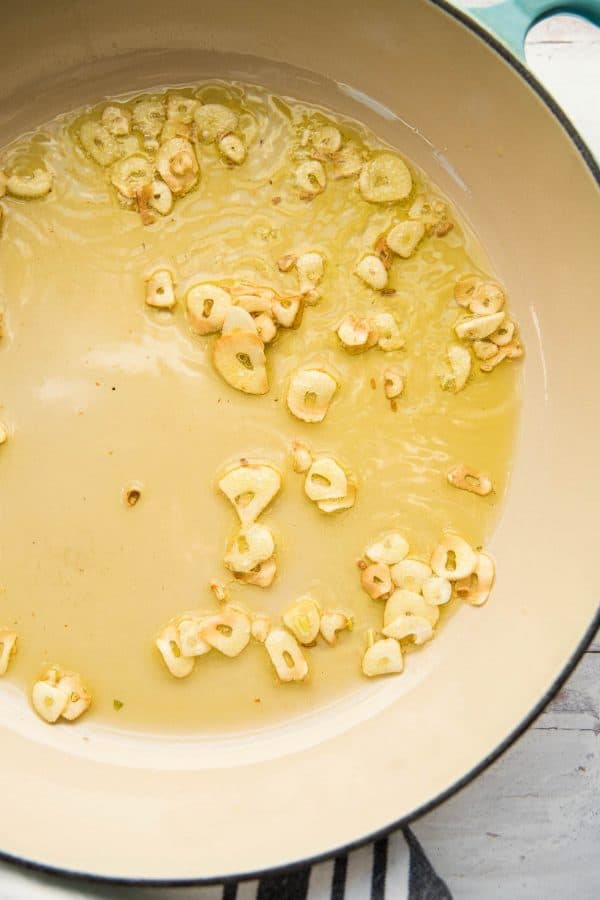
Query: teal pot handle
column 510, row 20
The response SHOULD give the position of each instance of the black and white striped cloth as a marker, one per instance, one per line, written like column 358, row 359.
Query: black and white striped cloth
column 393, row 868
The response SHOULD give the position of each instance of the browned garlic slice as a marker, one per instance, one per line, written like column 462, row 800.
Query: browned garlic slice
column 310, row 394
column 286, row 655
column 503, row 335
column 376, row 581
column 253, row 545
column 513, row 350
column 240, row 360
column 404, row 238
column 465, row 288
column 408, row 614
column 228, row 631
column 478, row 327
column 372, row 272
column 410, row 574
column 311, row 178
column 487, row 298
column 301, row 456
column 382, row 657
column 250, row 488
column 177, row 165
column 390, row 549
column 189, row 628
column 8, row 648
column 475, row 588
column 116, row 120
column 207, row 305
column 288, row 311
column 261, row 575
column 485, row 349
column 332, row 621
column 325, row 480
column 160, row 289
column 219, row 590
column 393, row 383
column 356, row 333
column 437, row 591
column 453, row 558
column 237, row 319
column 385, row 179
column 468, row 479
column 156, row 196
column 303, row 619
column 130, row 175
column 460, row 361
column 213, row 120
column 168, row 643
column 347, row 161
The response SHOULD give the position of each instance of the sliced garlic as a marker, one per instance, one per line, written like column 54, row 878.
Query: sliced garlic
column 389, row 550
column 260, row 627
column 303, row 619
column 287, row 262
column 410, row 626
column 325, row 480
column 404, row 238
column 385, row 179
column 149, row 118
column 30, row 185
column 155, row 196
column 356, row 333
column 232, row 148
column 288, row 311
column 207, row 306
column 219, row 590
column 8, row 648
column 310, row 268
column 262, row 575
column 384, row 657
column 310, row 178
column 453, row 558
column 79, row 698
column 460, row 361
column 478, row 327
column 250, row 488
column 437, row 591
column 485, row 349
column 339, row 503
column 237, row 319
column 409, row 603
column 49, row 701
column 388, row 332
column 190, row 640
column 503, row 335
column 376, row 581
column 372, row 272
column 228, row 631
column 181, row 108
column 168, row 643
column 475, row 588
column 393, row 383
column 98, row 141
column 332, row 621
column 310, row 394
column 266, row 328
column 487, row 298
column 130, row 175
column 240, row 360
column 326, row 140
column 253, row 545
column 213, row 121
column 467, row 479
column 116, row 120
column 465, row 288
column 252, row 298
column 160, row 290
column 301, row 456
column 286, row 655
column 513, row 350
column 347, row 161
column 177, row 165
column 410, row 574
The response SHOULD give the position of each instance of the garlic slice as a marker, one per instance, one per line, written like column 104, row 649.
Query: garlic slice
column 149, row 117
column 177, row 165
column 301, row 456
column 468, row 479
column 487, row 298
column 390, row 549
column 460, row 361
column 237, row 319
column 181, row 108
column 385, row 179
column 404, row 603
column 286, row 655
column 288, row 311
column 99, row 143
column 303, row 619
column 372, row 272
column 232, row 148
column 207, row 306
column 49, row 701
column 383, row 657
column 437, row 591
column 388, row 333
column 30, row 185
column 357, row 333
column 310, row 268
column 347, row 161
column 393, row 383
column 404, row 238
column 240, row 360
column 250, row 488
column 260, row 627
column 339, row 503
column 168, row 643
column 253, row 545
column 160, row 291
column 262, row 575
column 410, row 574
column 130, row 175
column 228, row 631
column 116, row 119
column 190, row 640
column 478, row 327
column 325, row 480
column 453, row 558
column 476, row 587
column 213, row 121
column 310, row 394
column 376, row 581
column 310, row 179
column 465, row 288
column 332, row 621
column 79, row 698
column 326, row 140
column 410, row 626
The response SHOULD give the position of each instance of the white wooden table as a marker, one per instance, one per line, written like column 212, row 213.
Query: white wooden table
column 529, row 827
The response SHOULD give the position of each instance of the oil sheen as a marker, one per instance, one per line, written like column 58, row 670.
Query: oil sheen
column 99, row 392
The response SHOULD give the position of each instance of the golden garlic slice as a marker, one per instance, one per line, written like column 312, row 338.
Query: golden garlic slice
column 393, row 383
column 8, row 648
column 404, row 238
column 514, row 350
column 460, row 361
column 453, row 558
column 213, row 121
column 485, row 349
column 465, row 288
column 250, row 488
column 286, row 655
column 503, row 335
column 376, row 581
column 49, row 701
column 181, row 108
column 288, row 311
column 383, row 657
column 310, row 394
column 253, row 298
column 156, row 196
column 409, row 603
column 29, row 185
column 207, row 306
column 301, row 456
column 177, row 165
column 437, row 591
column 303, row 619
column 191, row 642
column 266, row 328
column 478, row 327
column 388, row 333
column 385, row 179
column 240, row 360
column 99, row 143
column 487, row 298
column 160, row 290
column 310, row 268
column 404, row 626
column 325, row 480
column 332, row 621
column 228, row 631
column 310, row 178
column 232, row 148
column 410, row 574
column 237, row 319
column 260, row 627
column 253, row 545
column 468, row 479
column 116, row 120
column 79, row 698
column 347, row 161
column 356, row 333
column 149, row 117
column 262, row 575
column 476, row 587
column 168, row 643
column 130, row 175
column 339, row 503
column 390, row 549
column 326, row 140
column 372, row 272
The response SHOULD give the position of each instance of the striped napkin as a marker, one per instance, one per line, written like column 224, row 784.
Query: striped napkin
column 393, row 868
